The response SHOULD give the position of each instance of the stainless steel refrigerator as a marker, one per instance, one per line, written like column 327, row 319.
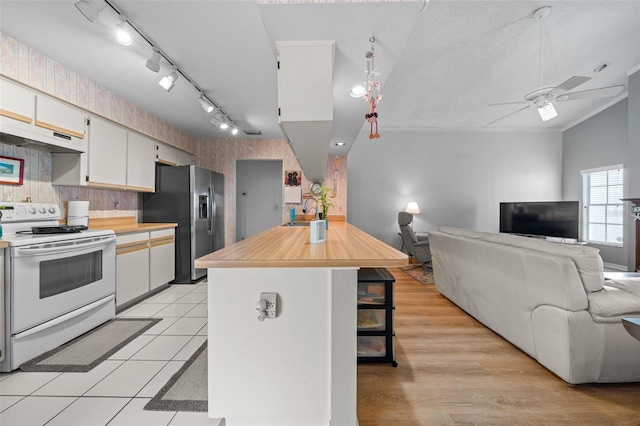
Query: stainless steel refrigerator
column 193, row 198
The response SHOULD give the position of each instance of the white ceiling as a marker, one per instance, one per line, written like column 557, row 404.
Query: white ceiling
column 442, row 62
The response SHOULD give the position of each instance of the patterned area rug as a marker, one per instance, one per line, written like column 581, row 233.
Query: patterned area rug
column 415, row 270
column 88, row 350
column 187, row 390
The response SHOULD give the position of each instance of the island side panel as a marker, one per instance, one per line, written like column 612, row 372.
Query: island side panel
column 343, row 346
column 278, row 371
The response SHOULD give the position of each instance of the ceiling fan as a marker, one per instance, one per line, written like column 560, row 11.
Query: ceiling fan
column 543, row 98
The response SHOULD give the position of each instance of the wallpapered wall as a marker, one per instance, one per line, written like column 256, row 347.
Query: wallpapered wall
column 221, row 155
column 32, row 68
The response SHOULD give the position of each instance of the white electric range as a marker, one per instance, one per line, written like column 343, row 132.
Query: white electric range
column 59, row 282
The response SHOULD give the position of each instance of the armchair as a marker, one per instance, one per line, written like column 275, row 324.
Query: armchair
column 417, row 248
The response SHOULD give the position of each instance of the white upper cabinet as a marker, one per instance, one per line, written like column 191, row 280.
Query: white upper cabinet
column 140, row 163
column 167, row 154
column 107, row 154
column 59, row 117
column 186, row 158
column 16, row 102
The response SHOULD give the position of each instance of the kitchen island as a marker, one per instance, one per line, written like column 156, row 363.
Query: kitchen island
column 300, row 367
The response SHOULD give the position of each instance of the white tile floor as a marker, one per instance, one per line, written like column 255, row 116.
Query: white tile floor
column 115, row 392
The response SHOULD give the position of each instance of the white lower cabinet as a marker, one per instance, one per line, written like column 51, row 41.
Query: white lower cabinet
column 132, row 266
column 2, row 348
column 144, row 262
column 162, row 258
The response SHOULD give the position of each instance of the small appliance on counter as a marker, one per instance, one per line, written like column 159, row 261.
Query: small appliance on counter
column 59, row 281
column 78, row 213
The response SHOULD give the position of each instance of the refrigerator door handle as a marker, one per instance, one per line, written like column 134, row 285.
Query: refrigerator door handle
column 212, row 213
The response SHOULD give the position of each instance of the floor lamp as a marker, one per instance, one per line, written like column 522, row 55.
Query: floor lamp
column 412, row 208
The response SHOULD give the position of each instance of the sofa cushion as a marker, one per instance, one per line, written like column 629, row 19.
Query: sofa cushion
column 587, row 259
column 617, row 299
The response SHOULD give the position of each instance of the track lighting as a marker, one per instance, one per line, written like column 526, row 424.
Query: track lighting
column 547, row 112
column 122, row 34
column 90, row 8
column 206, row 105
column 153, row 63
column 168, row 81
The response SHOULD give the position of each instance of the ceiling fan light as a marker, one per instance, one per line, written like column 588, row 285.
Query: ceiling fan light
column 234, row 131
column 168, row 81
column 224, row 125
column 153, row 63
column 547, row 112
column 206, row 105
column 90, row 8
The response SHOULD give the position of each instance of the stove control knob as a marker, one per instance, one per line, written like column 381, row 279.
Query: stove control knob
column 52, row 209
column 42, row 210
column 32, row 210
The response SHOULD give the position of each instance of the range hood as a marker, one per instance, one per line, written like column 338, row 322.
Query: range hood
column 305, row 95
column 42, row 145
column 35, row 120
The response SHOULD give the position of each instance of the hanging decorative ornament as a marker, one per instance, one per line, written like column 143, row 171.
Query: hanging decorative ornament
column 372, row 90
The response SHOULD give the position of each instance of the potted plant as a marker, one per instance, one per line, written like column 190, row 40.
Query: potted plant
column 324, row 197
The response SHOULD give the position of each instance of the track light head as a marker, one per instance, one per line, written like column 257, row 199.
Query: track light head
column 206, row 105
column 122, row 34
column 153, row 63
column 90, row 8
column 168, row 81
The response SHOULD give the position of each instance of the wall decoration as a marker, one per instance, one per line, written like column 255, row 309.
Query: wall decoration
column 293, row 178
column 11, row 170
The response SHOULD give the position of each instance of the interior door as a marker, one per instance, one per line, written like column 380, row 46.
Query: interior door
column 259, row 187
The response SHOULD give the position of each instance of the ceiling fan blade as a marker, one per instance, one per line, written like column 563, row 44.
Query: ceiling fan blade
column 508, row 115
column 602, row 92
column 508, row 103
column 572, row 83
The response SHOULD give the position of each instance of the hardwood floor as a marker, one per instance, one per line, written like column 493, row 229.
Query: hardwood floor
column 453, row 370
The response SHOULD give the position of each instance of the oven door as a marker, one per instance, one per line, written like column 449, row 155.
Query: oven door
column 51, row 279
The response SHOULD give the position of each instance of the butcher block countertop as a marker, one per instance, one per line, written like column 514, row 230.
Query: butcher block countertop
column 290, row 246
column 125, row 225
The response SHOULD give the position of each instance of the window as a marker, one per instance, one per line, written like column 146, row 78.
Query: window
column 603, row 211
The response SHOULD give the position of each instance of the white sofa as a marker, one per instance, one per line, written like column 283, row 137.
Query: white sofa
column 549, row 299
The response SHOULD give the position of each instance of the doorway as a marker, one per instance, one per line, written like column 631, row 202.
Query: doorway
column 258, row 196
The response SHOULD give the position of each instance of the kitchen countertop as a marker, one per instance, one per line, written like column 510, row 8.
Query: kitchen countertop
column 126, row 225
column 289, row 246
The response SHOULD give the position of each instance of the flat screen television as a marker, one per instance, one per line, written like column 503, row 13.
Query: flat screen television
column 544, row 218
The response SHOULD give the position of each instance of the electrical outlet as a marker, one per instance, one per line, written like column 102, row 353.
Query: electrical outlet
column 272, row 304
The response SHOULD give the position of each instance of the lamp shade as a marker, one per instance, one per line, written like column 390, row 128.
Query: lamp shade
column 412, row 208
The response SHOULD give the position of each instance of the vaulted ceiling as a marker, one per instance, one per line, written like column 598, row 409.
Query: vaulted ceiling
column 442, row 62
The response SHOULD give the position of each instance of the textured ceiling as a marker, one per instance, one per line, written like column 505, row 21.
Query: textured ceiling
column 442, row 62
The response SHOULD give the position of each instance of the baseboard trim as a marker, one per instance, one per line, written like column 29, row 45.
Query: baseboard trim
column 615, row 266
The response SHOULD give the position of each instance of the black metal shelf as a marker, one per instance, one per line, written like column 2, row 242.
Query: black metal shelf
column 376, row 345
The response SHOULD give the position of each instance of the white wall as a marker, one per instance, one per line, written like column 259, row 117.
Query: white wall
column 597, row 142
column 457, row 178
